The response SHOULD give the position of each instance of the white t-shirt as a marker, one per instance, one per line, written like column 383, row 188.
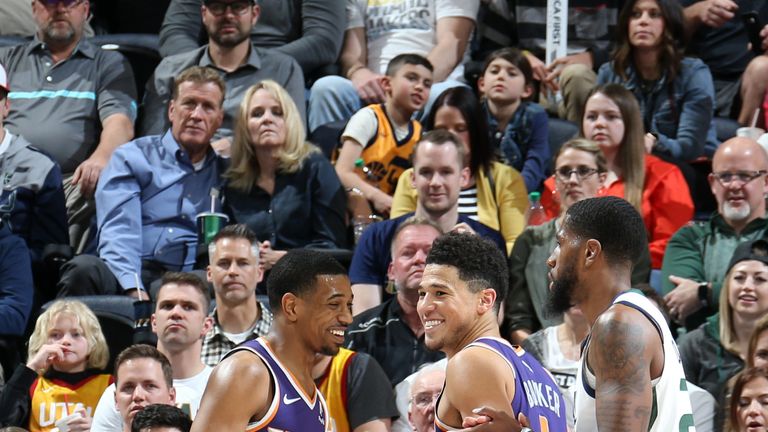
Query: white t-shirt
column 189, row 391
column 362, row 127
column 405, row 26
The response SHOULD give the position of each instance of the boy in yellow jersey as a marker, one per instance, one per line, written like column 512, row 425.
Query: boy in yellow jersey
column 383, row 135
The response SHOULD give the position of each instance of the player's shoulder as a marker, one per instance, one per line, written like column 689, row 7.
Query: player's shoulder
column 242, row 367
column 623, row 324
column 476, row 358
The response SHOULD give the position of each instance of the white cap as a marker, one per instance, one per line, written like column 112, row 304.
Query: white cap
column 4, row 79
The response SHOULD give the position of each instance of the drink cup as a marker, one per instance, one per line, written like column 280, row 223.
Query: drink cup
column 750, row 132
column 208, row 225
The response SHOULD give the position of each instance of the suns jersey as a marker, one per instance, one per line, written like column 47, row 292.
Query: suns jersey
column 671, row 410
column 291, row 408
column 385, row 156
column 536, row 392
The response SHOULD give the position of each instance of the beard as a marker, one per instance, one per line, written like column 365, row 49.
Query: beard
column 230, row 40
column 560, row 297
column 60, row 35
column 736, row 213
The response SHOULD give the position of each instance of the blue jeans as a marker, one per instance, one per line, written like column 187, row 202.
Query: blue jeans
column 334, row 98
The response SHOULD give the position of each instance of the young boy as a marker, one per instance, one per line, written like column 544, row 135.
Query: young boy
column 517, row 128
column 383, row 135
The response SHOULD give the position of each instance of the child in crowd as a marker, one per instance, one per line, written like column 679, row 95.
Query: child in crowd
column 383, row 135
column 63, row 376
column 517, row 128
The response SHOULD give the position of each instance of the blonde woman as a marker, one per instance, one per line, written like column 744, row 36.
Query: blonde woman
column 718, row 349
column 279, row 185
column 63, row 374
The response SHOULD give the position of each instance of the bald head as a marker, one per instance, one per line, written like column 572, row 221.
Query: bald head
column 740, row 146
column 739, row 181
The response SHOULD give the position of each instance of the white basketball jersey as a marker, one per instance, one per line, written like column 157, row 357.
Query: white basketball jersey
column 671, row 410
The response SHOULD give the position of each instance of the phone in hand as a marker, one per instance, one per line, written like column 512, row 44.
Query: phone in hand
column 753, row 26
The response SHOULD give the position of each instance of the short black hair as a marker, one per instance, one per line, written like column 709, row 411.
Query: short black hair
column 401, row 60
column 612, row 221
column 296, row 273
column 161, row 415
column 478, row 261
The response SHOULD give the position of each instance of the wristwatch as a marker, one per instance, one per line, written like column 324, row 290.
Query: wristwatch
column 704, row 293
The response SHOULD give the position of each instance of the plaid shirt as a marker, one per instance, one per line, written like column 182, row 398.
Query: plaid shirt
column 216, row 345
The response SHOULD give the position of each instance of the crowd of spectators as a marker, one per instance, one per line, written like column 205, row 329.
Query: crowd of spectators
column 446, row 115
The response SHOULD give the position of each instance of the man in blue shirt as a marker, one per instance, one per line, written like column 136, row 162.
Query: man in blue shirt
column 150, row 193
column 438, row 176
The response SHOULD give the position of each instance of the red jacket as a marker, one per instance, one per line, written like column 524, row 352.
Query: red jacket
column 666, row 203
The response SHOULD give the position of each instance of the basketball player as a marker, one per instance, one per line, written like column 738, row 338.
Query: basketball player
column 463, row 284
column 266, row 384
column 630, row 375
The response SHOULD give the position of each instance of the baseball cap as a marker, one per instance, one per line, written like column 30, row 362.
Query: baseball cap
column 753, row 250
column 4, row 79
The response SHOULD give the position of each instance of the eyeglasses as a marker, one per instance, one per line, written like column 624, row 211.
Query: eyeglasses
column 237, row 7
column 564, row 173
column 725, row 178
column 425, row 400
column 69, row 4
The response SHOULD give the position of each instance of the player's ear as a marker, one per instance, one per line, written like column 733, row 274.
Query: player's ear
column 487, row 300
column 592, row 252
column 290, row 304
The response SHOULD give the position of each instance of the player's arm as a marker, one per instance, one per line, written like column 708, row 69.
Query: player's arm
column 239, row 388
column 477, row 378
column 620, row 354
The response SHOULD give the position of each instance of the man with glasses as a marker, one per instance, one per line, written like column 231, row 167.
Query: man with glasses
column 697, row 255
column 310, row 31
column 229, row 52
column 72, row 100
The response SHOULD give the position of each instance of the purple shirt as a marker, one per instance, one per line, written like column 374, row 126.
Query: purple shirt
column 536, row 392
column 291, row 409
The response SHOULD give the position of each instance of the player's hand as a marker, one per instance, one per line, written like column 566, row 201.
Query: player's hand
column 87, row 174
column 45, row 357
column 715, row 13
column 80, row 424
column 369, row 85
column 684, row 299
column 488, row 419
column 556, row 67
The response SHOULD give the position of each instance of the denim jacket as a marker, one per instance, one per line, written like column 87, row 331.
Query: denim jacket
column 681, row 114
column 523, row 145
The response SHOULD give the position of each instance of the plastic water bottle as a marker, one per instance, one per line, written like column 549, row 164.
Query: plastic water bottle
column 364, row 172
column 536, row 213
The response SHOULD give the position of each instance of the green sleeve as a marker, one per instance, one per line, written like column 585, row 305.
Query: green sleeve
column 683, row 258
